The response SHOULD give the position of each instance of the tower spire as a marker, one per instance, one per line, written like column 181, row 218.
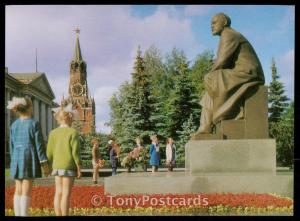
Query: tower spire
column 77, row 54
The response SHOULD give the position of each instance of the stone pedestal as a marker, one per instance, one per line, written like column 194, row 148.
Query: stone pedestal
column 251, row 155
column 184, row 182
column 213, row 166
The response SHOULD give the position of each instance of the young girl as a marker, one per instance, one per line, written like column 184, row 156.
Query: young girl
column 27, row 153
column 170, row 154
column 95, row 159
column 154, row 153
column 63, row 151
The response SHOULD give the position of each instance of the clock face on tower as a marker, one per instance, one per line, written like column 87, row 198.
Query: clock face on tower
column 77, row 89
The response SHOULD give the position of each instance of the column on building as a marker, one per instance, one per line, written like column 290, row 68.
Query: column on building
column 7, row 120
column 53, row 121
column 49, row 119
column 43, row 119
column 46, row 120
column 36, row 109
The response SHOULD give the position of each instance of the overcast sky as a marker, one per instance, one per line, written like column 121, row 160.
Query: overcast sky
column 110, row 35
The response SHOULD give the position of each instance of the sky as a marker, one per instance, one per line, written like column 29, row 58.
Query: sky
column 110, row 35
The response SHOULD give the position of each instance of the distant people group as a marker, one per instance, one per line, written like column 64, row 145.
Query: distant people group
column 62, row 158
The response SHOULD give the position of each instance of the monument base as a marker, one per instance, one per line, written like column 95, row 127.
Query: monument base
column 213, row 166
column 251, row 155
column 184, row 182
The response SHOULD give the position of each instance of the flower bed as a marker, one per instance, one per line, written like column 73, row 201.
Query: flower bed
column 217, row 204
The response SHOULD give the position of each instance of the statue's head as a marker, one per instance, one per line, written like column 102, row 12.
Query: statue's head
column 219, row 22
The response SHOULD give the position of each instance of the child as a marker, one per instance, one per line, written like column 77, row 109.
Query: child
column 27, row 153
column 141, row 152
column 170, row 154
column 63, row 151
column 95, row 159
column 113, row 156
column 154, row 153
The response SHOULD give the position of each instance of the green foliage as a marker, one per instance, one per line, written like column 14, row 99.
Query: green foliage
column 283, row 131
column 277, row 99
column 7, row 173
column 201, row 67
column 162, row 98
column 86, row 148
column 281, row 120
column 188, row 127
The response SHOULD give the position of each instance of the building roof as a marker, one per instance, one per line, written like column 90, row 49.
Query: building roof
column 26, row 78
column 36, row 79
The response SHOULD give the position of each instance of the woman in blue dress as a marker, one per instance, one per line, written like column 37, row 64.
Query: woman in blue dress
column 27, row 152
column 154, row 153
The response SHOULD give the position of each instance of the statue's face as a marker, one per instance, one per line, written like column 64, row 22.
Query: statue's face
column 217, row 25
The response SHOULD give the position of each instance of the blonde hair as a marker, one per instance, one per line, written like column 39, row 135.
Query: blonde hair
column 153, row 137
column 169, row 139
column 21, row 109
column 63, row 116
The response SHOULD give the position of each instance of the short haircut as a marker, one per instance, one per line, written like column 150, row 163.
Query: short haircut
column 225, row 17
column 23, row 109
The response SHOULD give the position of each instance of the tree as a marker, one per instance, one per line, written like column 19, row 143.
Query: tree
column 188, row 128
column 86, row 147
column 283, row 131
column 277, row 99
column 141, row 110
column 281, row 120
column 156, row 70
column 183, row 99
column 201, row 67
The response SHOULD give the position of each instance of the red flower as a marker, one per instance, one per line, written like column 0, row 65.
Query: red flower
column 81, row 197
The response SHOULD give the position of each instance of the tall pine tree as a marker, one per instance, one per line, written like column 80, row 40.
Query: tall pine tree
column 141, row 110
column 277, row 99
column 279, row 127
column 155, row 68
column 183, row 99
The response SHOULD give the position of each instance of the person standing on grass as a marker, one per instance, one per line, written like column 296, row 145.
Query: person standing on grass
column 63, row 151
column 154, row 154
column 95, row 159
column 27, row 152
column 170, row 154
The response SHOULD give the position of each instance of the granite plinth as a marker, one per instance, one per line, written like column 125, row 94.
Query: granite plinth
column 251, row 155
column 183, row 182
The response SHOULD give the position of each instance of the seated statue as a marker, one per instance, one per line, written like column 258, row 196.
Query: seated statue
column 235, row 70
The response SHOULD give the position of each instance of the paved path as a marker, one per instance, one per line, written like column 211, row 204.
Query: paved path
column 87, row 180
column 49, row 181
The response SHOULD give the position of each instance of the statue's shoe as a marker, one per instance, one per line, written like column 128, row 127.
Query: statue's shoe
column 204, row 129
